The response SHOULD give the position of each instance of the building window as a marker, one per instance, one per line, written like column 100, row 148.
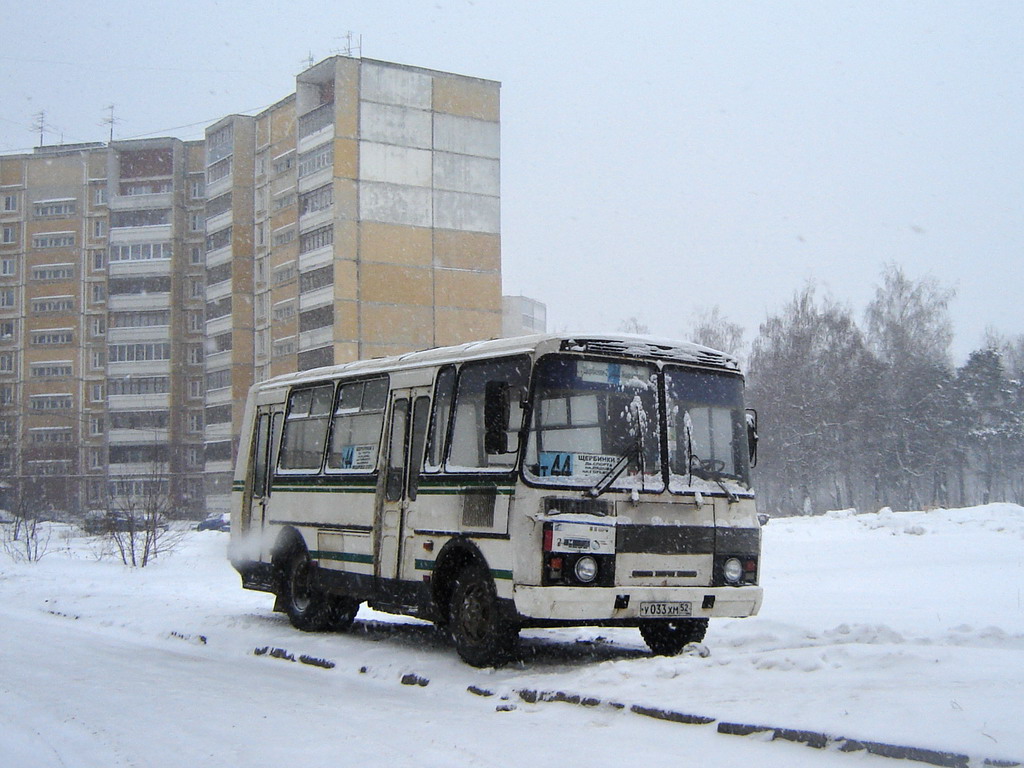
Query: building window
column 218, row 380
column 53, row 304
column 139, row 385
column 98, row 359
column 95, row 458
column 122, row 286
column 219, row 239
column 54, row 240
column 315, row 159
column 195, row 354
column 6, row 362
column 52, row 337
column 284, row 236
column 196, row 221
column 55, row 208
column 219, row 343
column 284, row 273
column 195, row 388
column 283, row 347
column 99, row 195
column 99, row 326
column 283, row 163
column 319, row 199
column 218, row 308
column 50, row 435
column 317, row 238
column 9, row 234
column 321, row 317
column 195, row 422
column 54, row 272
column 316, row 278
column 219, row 170
column 150, row 217
column 50, row 370
column 8, row 267
column 196, row 255
column 134, row 188
column 147, row 319
column 197, row 187
column 140, row 252
column 62, row 402
column 6, row 298
column 218, row 274
column 96, row 393
column 284, row 201
column 129, row 353
column 99, row 228
column 99, row 259
column 284, row 310
column 10, row 203
column 195, row 322
column 6, row 330
column 218, row 205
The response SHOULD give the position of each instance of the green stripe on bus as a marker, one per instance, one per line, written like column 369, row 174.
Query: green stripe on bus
column 424, row 565
column 344, row 557
column 500, row 574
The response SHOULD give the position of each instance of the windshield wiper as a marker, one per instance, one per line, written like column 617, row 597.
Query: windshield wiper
column 710, row 469
column 609, row 477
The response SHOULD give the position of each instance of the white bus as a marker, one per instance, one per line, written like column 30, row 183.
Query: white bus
column 529, row 482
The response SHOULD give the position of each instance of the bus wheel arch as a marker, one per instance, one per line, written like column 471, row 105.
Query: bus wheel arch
column 457, row 555
column 308, row 608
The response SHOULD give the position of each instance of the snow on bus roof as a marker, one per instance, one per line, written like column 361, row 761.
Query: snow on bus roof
column 617, row 344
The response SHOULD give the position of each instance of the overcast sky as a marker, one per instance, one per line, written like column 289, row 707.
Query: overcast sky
column 657, row 158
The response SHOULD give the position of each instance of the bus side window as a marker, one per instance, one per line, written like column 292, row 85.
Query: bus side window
column 358, row 420
column 467, row 441
column 420, row 411
column 305, row 433
column 444, row 391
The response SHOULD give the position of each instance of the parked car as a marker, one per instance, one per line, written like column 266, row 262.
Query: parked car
column 219, row 522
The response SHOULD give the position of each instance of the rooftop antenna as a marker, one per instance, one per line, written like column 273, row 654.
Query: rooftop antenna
column 353, row 45
column 110, row 120
column 40, row 124
column 310, row 61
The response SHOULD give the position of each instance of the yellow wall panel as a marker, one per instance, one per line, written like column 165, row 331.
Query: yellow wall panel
column 395, row 244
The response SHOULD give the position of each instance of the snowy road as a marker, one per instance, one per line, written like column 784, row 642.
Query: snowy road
column 903, row 628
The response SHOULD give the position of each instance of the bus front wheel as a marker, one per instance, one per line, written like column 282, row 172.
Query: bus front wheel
column 482, row 637
column 668, row 637
column 307, row 607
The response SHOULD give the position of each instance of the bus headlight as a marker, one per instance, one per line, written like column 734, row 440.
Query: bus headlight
column 732, row 569
column 586, row 569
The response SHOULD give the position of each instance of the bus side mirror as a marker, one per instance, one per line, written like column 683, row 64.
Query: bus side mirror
column 752, row 437
column 497, row 411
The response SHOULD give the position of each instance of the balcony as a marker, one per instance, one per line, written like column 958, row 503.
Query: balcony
column 127, row 302
column 138, row 402
column 137, row 436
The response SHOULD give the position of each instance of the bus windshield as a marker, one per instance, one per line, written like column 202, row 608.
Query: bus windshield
column 707, row 435
column 592, row 419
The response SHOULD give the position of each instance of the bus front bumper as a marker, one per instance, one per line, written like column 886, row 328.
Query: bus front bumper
column 634, row 603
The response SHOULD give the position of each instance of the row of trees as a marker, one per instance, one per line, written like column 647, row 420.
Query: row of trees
column 875, row 414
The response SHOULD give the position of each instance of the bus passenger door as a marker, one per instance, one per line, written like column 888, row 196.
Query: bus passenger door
column 262, row 459
column 407, row 430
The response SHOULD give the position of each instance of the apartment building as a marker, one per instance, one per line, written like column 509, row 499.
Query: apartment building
column 355, row 218
column 101, row 299
column 145, row 285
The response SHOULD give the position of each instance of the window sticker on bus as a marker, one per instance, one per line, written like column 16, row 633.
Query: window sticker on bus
column 615, row 374
column 557, row 464
column 357, row 456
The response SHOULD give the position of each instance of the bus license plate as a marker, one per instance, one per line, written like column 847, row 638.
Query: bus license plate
column 666, row 610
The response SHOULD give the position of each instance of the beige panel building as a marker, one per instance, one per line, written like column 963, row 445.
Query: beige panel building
column 372, row 202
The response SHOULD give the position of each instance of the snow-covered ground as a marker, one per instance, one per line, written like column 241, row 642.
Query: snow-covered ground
column 904, row 628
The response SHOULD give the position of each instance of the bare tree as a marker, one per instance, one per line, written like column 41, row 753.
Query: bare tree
column 712, row 329
column 136, row 521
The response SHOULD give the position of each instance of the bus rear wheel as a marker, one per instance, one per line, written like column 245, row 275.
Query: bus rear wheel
column 669, row 636
column 482, row 637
